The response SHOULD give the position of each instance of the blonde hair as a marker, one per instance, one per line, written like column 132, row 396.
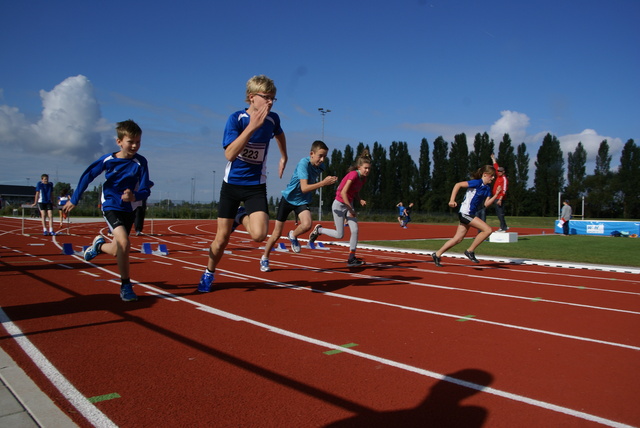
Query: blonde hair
column 487, row 169
column 260, row 83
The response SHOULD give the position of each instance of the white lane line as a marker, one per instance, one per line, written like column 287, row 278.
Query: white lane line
column 402, row 366
column 198, row 267
column 443, row 314
column 82, row 404
column 447, row 287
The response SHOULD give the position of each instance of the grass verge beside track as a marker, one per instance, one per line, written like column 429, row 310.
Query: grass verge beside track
column 574, row 248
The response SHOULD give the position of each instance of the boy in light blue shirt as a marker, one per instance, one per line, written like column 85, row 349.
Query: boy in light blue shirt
column 296, row 197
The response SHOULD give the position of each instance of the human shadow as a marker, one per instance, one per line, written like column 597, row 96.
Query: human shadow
column 441, row 408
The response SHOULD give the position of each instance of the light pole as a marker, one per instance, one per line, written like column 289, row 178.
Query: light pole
column 323, row 112
column 193, row 189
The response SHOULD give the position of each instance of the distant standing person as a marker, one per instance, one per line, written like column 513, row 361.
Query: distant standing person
column 565, row 216
column 124, row 170
column 478, row 195
column 62, row 201
column 296, row 197
column 501, row 182
column 44, row 200
column 246, row 142
column 343, row 207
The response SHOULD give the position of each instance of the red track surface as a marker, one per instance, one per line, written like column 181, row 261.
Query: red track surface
column 521, row 345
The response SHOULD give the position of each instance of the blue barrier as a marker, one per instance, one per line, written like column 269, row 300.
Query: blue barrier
column 599, row 227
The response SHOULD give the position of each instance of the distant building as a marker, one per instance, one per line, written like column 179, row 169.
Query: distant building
column 16, row 195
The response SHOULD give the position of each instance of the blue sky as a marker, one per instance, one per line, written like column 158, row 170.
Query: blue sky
column 388, row 70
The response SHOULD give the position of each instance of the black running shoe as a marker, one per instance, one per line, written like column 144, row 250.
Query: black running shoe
column 355, row 262
column 436, row 259
column 471, row 256
column 314, row 234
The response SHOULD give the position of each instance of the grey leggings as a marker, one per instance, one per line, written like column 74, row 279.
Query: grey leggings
column 340, row 211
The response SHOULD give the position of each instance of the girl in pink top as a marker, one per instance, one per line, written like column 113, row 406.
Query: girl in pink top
column 343, row 207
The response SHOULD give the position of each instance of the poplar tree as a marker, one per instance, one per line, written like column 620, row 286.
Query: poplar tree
column 439, row 179
column 483, row 147
column 519, row 179
column 628, row 174
column 549, row 175
column 459, row 160
column 599, row 186
column 576, row 172
column 376, row 179
column 423, row 186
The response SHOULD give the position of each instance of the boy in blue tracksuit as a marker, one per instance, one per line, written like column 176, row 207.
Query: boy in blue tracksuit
column 123, row 171
column 296, row 197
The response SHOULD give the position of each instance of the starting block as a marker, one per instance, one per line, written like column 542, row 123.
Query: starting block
column 161, row 251
column 280, row 247
column 316, row 246
column 67, row 249
column 504, row 237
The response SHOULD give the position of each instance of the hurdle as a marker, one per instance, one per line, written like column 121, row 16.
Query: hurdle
column 23, row 206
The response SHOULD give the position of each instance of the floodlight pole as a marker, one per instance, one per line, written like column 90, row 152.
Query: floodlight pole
column 323, row 112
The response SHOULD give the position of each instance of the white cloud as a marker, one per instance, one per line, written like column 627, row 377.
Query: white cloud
column 71, row 125
column 591, row 142
column 513, row 123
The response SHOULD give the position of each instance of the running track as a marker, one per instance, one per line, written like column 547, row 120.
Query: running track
column 397, row 342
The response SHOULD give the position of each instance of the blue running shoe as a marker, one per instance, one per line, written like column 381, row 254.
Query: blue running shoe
column 205, row 282
column 45, row 233
column 93, row 250
column 238, row 220
column 264, row 265
column 127, row 294
column 295, row 245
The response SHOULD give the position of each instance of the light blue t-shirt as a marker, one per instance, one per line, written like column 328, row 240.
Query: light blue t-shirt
column 304, row 171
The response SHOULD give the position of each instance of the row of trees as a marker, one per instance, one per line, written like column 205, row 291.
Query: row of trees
column 396, row 177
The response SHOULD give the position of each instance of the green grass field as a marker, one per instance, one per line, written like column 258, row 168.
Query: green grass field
column 603, row 250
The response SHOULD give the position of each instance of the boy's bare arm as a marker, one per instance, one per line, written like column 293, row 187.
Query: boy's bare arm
column 284, row 157
column 306, row 187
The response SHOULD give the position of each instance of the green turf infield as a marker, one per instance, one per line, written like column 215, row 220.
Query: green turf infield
column 603, row 250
